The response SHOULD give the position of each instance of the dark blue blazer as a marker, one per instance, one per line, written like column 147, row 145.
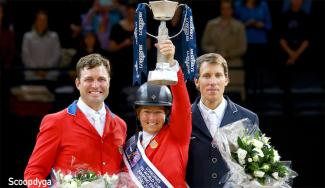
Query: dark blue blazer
column 205, row 166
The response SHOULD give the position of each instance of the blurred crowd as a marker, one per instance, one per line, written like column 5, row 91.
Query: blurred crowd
column 253, row 42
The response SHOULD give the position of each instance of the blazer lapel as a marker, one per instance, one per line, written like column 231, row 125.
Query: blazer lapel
column 83, row 122
column 230, row 113
column 109, row 124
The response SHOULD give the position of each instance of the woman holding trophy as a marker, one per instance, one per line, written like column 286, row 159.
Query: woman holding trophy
column 157, row 155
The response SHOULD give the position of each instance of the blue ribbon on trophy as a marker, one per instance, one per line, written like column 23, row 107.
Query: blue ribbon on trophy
column 188, row 43
column 139, row 44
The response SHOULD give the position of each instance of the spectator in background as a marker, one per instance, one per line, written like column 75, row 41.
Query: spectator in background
column 294, row 43
column 100, row 18
column 121, row 45
column 89, row 44
column 7, row 39
column 7, row 53
column 256, row 17
column 121, row 53
column 41, row 49
column 306, row 5
column 226, row 36
column 294, row 37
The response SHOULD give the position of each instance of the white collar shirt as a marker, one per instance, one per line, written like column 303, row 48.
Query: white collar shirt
column 96, row 118
column 213, row 117
column 146, row 138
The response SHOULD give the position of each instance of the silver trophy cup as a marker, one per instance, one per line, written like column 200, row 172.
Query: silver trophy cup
column 163, row 11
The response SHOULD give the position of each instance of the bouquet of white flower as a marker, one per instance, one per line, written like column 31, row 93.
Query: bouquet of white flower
column 252, row 161
column 84, row 179
column 81, row 175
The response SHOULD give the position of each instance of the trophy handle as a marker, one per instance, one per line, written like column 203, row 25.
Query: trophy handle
column 153, row 36
column 182, row 24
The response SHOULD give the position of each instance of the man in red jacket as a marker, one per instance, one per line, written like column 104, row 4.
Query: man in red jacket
column 85, row 133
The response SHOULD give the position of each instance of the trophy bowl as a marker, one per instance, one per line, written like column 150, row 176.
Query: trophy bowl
column 163, row 10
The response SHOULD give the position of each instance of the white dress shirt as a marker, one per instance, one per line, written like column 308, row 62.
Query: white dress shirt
column 91, row 115
column 213, row 117
column 146, row 138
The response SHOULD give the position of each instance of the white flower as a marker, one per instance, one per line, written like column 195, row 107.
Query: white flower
column 275, row 175
column 72, row 184
column 241, row 161
column 250, row 160
column 110, row 179
column 266, row 167
column 246, row 140
column 67, row 177
column 258, row 144
column 265, row 139
column 259, row 152
column 61, row 176
column 241, row 155
column 85, row 183
column 114, row 177
column 276, row 157
column 258, row 173
column 255, row 158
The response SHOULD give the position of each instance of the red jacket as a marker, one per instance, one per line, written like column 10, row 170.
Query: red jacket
column 67, row 140
column 171, row 154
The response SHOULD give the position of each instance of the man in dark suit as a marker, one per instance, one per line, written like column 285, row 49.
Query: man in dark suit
column 206, row 167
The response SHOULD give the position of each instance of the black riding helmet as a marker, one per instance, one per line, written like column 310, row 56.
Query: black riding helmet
column 153, row 95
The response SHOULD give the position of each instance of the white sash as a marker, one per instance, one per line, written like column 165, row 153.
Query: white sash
column 141, row 170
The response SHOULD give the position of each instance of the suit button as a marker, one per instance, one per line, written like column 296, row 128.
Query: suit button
column 214, row 160
column 103, row 163
column 214, row 175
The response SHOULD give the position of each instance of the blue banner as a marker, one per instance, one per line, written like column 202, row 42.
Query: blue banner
column 188, row 45
column 139, row 44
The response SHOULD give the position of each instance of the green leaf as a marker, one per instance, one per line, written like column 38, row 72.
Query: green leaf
column 240, row 143
column 257, row 135
column 253, row 166
column 234, row 156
